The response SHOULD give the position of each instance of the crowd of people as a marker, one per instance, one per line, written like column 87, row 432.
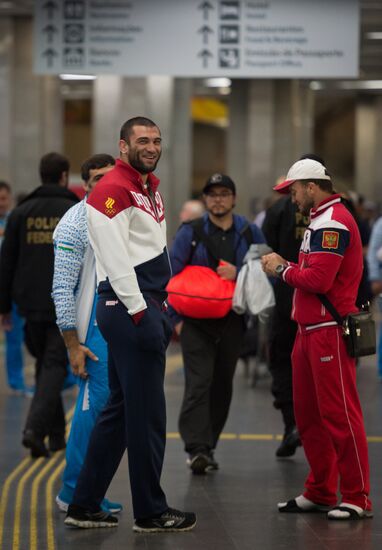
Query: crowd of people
column 84, row 283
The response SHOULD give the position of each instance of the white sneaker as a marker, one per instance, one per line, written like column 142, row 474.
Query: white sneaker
column 62, row 505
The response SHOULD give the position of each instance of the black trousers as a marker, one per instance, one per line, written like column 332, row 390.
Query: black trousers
column 46, row 414
column 210, row 348
column 282, row 337
column 135, row 415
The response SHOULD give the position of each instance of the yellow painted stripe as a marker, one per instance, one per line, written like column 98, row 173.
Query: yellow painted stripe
column 174, row 363
column 34, row 499
column 5, row 493
column 69, row 414
column 260, row 437
column 228, row 436
column 173, row 435
column 49, row 494
column 256, row 437
column 50, row 540
column 19, row 502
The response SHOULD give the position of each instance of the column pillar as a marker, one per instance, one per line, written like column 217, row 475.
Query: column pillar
column 366, row 154
column 6, row 67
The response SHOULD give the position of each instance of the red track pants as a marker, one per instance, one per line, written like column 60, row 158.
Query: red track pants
column 329, row 418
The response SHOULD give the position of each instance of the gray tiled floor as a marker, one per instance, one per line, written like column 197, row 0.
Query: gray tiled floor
column 236, row 506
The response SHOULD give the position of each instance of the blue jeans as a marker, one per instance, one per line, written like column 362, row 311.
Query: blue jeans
column 14, row 361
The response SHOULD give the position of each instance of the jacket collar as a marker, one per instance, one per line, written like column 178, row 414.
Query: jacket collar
column 324, row 205
column 135, row 177
column 51, row 191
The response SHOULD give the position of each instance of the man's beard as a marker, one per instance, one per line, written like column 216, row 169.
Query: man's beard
column 140, row 166
column 306, row 207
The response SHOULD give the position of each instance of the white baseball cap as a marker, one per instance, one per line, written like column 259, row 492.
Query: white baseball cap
column 306, row 169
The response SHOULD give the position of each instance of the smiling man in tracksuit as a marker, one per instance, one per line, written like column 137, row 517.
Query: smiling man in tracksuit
column 327, row 408
column 74, row 295
column 127, row 231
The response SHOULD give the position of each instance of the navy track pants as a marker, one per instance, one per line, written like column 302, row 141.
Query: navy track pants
column 135, row 414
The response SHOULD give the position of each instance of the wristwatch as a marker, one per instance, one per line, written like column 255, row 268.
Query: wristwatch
column 279, row 269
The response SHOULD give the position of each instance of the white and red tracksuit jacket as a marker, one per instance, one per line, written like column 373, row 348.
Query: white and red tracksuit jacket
column 127, row 231
column 330, row 262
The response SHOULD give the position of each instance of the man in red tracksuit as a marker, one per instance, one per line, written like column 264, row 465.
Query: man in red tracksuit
column 327, row 408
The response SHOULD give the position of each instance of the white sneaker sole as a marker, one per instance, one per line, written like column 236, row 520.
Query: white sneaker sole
column 138, row 529
column 81, row 524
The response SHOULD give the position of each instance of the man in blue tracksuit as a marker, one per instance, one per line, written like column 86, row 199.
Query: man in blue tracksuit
column 211, row 347
column 74, row 295
column 14, row 334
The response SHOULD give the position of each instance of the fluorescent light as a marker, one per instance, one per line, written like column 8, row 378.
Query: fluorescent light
column 318, row 85
column 375, row 35
column 220, row 82
column 77, row 77
column 361, row 85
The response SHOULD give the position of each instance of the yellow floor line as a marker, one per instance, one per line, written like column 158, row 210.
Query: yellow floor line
column 173, row 435
column 5, row 493
column 256, row 437
column 19, row 502
column 260, row 437
column 50, row 539
column 34, row 499
column 174, row 363
column 32, row 466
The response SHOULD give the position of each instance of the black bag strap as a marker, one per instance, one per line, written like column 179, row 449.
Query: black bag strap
column 330, row 307
column 247, row 233
column 202, row 236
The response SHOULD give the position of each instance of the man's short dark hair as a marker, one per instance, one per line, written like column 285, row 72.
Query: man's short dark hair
column 6, row 186
column 94, row 163
column 127, row 127
column 52, row 166
column 324, row 185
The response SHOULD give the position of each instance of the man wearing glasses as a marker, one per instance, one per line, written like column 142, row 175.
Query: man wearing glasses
column 211, row 346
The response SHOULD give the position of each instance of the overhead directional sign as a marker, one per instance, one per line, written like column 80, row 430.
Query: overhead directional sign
column 196, row 38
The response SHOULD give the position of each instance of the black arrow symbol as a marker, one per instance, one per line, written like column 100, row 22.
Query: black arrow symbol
column 50, row 30
column 50, row 54
column 205, row 7
column 205, row 54
column 205, row 31
column 50, row 7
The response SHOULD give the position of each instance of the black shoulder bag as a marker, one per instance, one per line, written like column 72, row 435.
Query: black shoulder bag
column 358, row 329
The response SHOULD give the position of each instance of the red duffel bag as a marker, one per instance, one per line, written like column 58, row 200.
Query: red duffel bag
column 199, row 292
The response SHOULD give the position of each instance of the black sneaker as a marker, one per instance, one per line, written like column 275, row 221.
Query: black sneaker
column 212, row 464
column 57, row 443
column 289, row 444
column 171, row 520
column 35, row 444
column 198, row 463
column 84, row 519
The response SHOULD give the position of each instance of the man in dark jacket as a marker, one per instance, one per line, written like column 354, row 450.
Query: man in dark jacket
column 211, row 347
column 284, row 229
column 26, row 274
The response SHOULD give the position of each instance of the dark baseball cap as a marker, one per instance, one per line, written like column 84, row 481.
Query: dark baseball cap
column 219, row 179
